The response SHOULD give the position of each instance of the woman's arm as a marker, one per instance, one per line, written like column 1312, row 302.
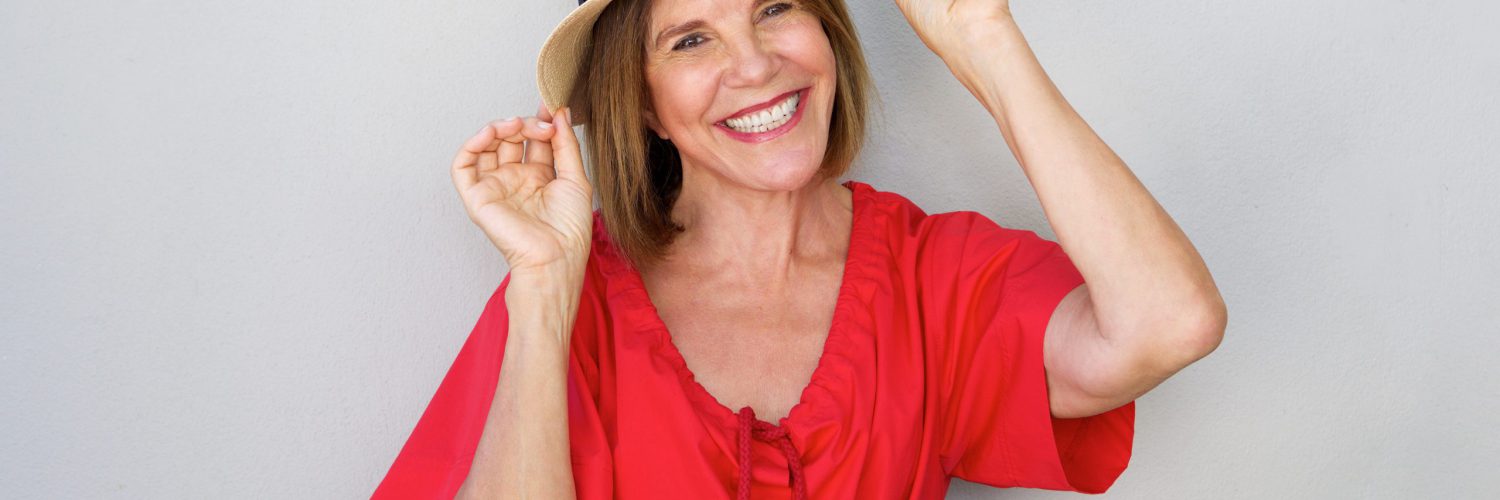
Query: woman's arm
column 1150, row 306
column 523, row 451
column 522, row 182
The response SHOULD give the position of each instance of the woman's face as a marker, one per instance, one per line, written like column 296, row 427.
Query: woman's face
column 743, row 88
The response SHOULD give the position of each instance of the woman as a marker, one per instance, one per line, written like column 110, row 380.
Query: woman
column 872, row 350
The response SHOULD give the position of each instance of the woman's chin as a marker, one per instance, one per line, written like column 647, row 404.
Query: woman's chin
column 783, row 177
column 788, row 168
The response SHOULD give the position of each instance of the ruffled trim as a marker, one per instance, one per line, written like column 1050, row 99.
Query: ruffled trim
column 832, row 373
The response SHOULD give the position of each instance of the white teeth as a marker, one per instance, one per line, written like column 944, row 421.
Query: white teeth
column 767, row 119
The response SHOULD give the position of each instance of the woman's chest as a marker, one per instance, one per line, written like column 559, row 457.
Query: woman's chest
column 741, row 365
column 858, row 391
column 865, row 413
column 750, row 349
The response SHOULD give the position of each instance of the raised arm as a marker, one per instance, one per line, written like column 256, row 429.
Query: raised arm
column 538, row 213
column 1150, row 306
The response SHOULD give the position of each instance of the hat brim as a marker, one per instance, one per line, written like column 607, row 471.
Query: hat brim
column 557, row 63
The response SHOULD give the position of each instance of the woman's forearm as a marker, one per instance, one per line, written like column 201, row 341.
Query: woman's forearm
column 1149, row 286
column 523, row 451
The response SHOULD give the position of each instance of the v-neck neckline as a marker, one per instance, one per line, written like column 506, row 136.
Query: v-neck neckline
column 834, row 346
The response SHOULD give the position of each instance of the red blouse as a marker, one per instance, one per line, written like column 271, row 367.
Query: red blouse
column 932, row 369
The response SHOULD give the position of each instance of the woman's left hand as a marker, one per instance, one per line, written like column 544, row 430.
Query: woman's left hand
column 945, row 25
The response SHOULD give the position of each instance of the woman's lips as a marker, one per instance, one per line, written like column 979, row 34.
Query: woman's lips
column 768, row 104
column 758, row 137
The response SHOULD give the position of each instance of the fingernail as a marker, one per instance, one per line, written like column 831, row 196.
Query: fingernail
column 544, row 125
column 568, row 115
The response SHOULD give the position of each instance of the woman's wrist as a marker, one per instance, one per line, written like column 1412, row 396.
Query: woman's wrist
column 554, row 277
column 544, row 301
column 983, row 55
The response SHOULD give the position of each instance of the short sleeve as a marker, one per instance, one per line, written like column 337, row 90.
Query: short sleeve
column 996, row 289
column 436, row 458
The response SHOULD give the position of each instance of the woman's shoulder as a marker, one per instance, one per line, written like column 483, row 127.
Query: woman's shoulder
column 909, row 227
column 962, row 242
column 605, row 259
column 610, row 280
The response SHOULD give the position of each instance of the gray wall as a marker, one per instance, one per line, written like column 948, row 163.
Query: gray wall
column 234, row 264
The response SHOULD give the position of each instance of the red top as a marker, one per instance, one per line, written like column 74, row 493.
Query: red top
column 932, row 369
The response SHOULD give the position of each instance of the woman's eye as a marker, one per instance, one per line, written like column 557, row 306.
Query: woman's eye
column 696, row 39
column 688, row 42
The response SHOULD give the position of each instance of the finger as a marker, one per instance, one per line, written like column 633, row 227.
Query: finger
column 538, row 135
column 464, row 169
column 489, row 160
column 531, row 129
column 567, row 158
column 512, row 143
column 506, row 128
column 543, row 113
column 539, row 152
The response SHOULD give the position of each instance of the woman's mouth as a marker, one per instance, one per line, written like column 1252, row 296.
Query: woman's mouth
column 767, row 123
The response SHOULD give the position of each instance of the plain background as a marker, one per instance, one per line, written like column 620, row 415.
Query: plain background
column 234, row 265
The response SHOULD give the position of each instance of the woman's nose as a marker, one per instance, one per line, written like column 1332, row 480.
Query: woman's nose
column 752, row 62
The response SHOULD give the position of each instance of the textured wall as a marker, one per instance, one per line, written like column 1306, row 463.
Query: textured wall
column 234, row 265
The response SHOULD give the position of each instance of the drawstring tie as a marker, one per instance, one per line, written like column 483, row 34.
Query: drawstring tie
column 774, row 434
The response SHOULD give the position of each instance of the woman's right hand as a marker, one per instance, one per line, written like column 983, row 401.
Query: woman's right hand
column 522, row 182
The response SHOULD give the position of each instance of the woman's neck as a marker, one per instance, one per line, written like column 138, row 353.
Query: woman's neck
column 760, row 235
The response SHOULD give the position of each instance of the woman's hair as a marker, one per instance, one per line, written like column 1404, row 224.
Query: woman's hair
column 637, row 174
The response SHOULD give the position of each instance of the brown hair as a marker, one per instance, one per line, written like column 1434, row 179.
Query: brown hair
column 637, row 174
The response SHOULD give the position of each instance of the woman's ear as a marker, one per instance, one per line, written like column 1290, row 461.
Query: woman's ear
column 655, row 124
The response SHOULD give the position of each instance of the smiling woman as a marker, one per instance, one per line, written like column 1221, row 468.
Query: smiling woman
column 661, row 76
column 734, row 320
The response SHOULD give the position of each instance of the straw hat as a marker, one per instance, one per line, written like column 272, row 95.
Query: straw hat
column 557, row 64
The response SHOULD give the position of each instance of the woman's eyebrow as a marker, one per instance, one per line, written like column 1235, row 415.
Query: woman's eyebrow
column 678, row 30
column 686, row 27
